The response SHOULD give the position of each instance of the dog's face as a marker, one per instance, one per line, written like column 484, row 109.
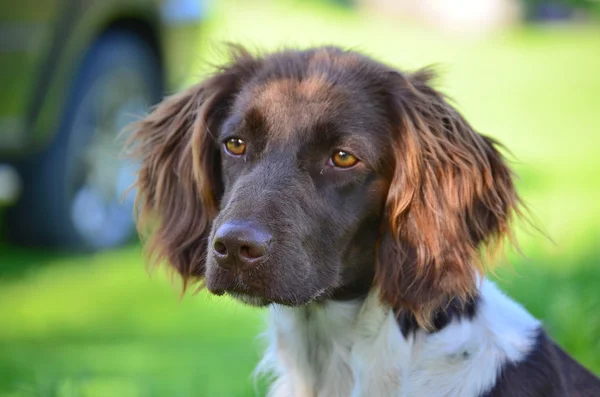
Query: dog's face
column 303, row 191
column 320, row 174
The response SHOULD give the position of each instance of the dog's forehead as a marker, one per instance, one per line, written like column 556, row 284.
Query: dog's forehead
column 290, row 107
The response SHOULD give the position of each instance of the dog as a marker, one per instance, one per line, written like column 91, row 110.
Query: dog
column 355, row 202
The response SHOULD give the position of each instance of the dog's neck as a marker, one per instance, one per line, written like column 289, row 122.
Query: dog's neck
column 311, row 347
column 360, row 347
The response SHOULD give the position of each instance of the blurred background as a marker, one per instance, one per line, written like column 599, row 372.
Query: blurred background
column 79, row 313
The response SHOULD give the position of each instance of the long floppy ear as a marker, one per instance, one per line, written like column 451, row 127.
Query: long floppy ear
column 179, row 183
column 451, row 196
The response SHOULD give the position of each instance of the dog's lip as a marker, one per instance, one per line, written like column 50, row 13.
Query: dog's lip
column 237, row 289
column 259, row 299
column 234, row 286
column 233, row 282
column 243, row 296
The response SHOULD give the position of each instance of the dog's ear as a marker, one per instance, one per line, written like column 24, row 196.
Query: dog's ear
column 451, row 196
column 179, row 184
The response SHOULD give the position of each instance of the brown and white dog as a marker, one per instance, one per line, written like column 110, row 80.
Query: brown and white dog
column 354, row 201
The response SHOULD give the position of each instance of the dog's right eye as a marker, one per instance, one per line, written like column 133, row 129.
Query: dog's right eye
column 343, row 160
column 235, row 146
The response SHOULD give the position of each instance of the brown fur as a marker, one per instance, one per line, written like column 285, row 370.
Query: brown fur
column 441, row 192
column 280, row 223
column 452, row 194
column 178, row 180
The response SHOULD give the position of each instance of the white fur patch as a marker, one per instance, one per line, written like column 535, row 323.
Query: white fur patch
column 356, row 348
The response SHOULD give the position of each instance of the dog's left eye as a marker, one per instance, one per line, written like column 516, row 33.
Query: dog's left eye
column 235, row 146
column 343, row 159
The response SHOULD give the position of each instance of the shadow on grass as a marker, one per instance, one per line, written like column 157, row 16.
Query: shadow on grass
column 16, row 262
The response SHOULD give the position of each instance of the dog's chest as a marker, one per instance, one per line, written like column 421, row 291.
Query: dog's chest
column 337, row 349
column 357, row 349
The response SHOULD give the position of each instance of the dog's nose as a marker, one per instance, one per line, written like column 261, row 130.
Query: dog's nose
column 240, row 244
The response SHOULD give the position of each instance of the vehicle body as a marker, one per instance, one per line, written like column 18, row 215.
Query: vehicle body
column 43, row 50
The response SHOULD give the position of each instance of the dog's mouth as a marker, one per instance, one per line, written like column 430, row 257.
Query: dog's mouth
column 257, row 291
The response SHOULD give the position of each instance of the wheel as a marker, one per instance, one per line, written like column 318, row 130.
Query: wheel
column 73, row 192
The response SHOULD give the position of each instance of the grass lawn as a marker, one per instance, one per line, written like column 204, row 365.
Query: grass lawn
column 99, row 325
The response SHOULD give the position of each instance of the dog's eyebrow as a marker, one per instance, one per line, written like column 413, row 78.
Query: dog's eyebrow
column 358, row 142
column 360, row 145
column 252, row 122
column 230, row 127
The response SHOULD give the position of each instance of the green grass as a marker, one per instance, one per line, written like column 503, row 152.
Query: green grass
column 99, row 325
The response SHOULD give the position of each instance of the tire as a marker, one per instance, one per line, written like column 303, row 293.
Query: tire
column 73, row 192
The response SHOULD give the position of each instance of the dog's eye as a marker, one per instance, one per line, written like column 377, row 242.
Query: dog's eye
column 342, row 159
column 235, row 146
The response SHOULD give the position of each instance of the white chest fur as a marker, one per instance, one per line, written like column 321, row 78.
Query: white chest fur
column 342, row 349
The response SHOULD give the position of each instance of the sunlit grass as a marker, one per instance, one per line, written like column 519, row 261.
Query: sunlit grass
column 101, row 326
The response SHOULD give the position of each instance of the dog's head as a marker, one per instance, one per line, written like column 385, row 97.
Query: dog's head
column 320, row 174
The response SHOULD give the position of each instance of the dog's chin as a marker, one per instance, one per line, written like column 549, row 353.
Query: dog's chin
column 257, row 291
column 250, row 300
column 260, row 301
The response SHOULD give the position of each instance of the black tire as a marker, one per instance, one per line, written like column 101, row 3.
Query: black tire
column 50, row 212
